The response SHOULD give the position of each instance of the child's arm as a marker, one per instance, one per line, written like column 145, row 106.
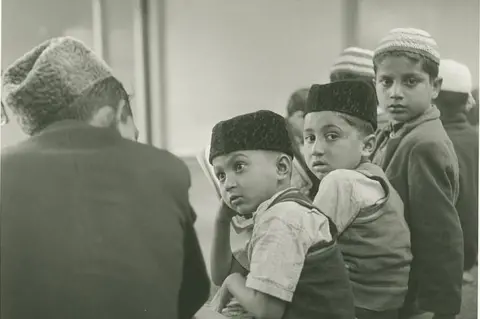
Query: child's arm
column 279, row 245
column 222, row 261
column 261, row 305
column 437, row 242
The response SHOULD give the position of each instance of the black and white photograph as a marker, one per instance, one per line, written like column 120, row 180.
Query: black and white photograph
column 255, row 159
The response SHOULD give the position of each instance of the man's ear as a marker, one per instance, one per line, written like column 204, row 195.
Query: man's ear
column 437, row 86
column 369, row 144
column 103, row 117
column 284, row 165
column 120, row 110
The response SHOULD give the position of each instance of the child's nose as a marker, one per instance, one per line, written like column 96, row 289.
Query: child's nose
column 230, row 183
column 396, row 91
column 318, row 148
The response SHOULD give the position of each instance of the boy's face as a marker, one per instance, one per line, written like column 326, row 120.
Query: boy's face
column 248, row 178
column 404, row 89
column 332, row 143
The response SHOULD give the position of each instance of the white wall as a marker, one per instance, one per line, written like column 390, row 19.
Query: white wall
column 229, row 57
column 453, row 23
column 226, row 57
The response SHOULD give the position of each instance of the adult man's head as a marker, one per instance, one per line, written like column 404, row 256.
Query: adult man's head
column 62, row 79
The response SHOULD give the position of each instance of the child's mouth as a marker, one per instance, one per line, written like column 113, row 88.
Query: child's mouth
column 235, row 199
column 397, row 109
column 319, row 166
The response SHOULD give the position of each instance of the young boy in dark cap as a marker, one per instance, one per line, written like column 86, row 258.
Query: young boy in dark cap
column 420, row 162
column 295, row 268
column 454, row 101
column 373, row 235
column 94, row 224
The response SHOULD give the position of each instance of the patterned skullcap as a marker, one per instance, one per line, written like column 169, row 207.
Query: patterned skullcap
column 409, row 40
column 353, row 97
column 261, row 130
column 354, row 60
column 49, row 78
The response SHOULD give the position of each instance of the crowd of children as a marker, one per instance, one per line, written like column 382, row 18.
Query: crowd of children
column 392, row 222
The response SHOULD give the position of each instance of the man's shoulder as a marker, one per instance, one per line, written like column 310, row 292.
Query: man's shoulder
column 142, row 153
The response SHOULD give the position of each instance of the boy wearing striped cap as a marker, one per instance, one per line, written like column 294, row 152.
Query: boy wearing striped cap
column 419, row 159
column 353, row 63
column 373, row 234
column 454, row 101
column 357, row 63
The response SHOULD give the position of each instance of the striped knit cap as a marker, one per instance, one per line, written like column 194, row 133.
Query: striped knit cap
column 354, row 60
column 409, row 40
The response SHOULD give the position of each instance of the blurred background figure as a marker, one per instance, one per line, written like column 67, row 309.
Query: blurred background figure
column 357, row 63
column 296, row 113
column 454, row 101
column 302, row 177
column 472, row 114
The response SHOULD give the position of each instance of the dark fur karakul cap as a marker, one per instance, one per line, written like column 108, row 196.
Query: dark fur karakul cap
column 261, row 130
column 353, row 97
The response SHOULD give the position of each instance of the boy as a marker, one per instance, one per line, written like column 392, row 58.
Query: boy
column 295, row 268
column 373, row 234
column 357, row 63
column 454, row 101
column 420, row 162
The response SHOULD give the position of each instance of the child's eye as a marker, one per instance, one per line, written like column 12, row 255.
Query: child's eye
column 239, row 167
column 309, row 138
column 412, row 81
column 331, row 136
column 221, row 177
column 386, row 82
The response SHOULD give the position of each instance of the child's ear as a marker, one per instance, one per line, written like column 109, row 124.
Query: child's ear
column 437, row 86
column 369, row 144
column 284, row 165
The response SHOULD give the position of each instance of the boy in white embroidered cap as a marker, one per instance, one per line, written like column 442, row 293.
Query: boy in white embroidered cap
column 420, row 162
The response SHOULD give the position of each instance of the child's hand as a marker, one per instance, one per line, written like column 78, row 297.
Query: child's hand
column 225, row 213
column 221, row 299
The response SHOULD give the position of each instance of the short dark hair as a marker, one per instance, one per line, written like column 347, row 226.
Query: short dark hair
column 363, row 127
column 297, row 101
column 428, row 66
column 451, row 103
column 106, row 92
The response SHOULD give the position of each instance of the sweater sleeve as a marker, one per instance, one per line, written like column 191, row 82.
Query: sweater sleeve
column 437, row 242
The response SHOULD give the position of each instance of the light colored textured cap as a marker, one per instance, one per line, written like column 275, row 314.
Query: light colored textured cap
column 49, row 78
column 456, row 76
column 354, row 60
column 409, row 40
